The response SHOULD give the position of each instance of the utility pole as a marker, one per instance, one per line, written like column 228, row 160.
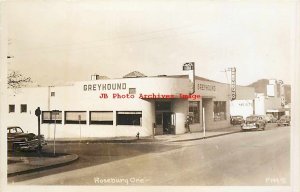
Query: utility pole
column 55, row 113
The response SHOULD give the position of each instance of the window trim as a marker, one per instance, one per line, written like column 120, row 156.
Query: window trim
column 14, row 108
column 75, row 123
column 199, row 113
column 133, row 113
column 90, row 118
column 225, row 112
column 51, row 121
column 22, row 105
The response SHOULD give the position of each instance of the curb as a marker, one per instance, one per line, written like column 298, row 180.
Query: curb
column 43, row 167
column 91, row 141
column 211, row 136
column 50, row 142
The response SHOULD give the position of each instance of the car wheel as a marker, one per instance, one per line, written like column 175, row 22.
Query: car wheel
column 16, row 148
column 39, row 148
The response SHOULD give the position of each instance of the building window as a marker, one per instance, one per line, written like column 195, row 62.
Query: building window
column 52, row 94
column 163, row 106
column 101, row 117
column 219, row 110
column 52, row 117
column 11, row 108
column 133, row 118
column 23, row 108
column 159, row 118
column 132, row 90
column 194, row 111
column 75, row 117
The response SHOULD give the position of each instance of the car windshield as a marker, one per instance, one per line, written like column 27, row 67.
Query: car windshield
column 14, row 130
column 252, row 118
column 237, row 117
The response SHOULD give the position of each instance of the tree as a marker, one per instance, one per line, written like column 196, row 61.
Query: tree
column 17, row 80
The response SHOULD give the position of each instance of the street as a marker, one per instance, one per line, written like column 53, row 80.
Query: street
column 242, row 159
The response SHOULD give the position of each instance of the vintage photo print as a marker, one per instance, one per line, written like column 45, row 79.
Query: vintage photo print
column 151, row 95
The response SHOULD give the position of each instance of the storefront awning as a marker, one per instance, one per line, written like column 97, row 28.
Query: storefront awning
column 276, row 110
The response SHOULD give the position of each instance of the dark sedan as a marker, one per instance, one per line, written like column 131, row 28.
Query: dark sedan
column 237, row 120
column 17, row 140
column 284, row 120
column 254, row 122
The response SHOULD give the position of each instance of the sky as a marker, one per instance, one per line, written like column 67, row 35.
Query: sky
column 55, row 42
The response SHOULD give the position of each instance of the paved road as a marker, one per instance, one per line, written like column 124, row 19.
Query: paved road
column 91, row 154
column 245, row 158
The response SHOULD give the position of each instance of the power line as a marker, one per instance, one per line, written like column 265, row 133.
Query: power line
column 109, row 39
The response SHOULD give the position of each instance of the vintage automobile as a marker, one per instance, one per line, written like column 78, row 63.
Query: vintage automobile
column 237, row 120
column 254, row 122
column 284, row 120
column 271, row 118
column 17, row 140
column 265, row 118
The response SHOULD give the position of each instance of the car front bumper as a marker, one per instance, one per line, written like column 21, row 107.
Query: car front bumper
column 31, row 145
column 248, row 126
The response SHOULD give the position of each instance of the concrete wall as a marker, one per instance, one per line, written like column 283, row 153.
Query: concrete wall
column 263, row 104
column 180, row 108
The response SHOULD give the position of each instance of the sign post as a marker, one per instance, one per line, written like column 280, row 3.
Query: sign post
column 38, row 114
column 54, row 112
column 79, row 119
column 203, row 116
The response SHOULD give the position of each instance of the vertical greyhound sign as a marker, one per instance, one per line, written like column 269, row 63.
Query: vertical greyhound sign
column 233, row 83
column 190, row 67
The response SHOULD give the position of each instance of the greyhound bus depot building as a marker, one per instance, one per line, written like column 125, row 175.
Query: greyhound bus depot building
column 123, row 107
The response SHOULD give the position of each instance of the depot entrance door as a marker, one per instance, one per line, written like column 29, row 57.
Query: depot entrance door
column 164, row 118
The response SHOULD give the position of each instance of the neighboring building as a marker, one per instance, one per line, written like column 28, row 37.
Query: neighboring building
column 242, row 107
column 272, row 100
column 122, row 107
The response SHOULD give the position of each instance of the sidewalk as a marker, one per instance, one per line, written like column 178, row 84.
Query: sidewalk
column 31, row 163
column 158, row 138
column 96, row 140
column 198, row 135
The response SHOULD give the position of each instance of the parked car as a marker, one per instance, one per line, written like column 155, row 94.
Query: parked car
column 265, row 118
column 237, row 120
column 17, row 140
column 254, row 122
column 284, row 120
column 271, row 118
